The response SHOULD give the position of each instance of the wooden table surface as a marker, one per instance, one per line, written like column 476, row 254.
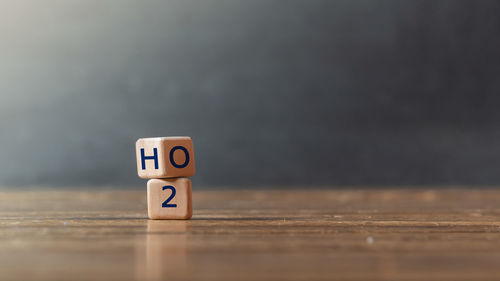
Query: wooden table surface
column 295, row 234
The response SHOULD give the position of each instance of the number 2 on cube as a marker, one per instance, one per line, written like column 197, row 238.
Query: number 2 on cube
column 165, row 203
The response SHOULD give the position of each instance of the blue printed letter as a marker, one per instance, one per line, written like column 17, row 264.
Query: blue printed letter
column 144, row 158
column 186, row 162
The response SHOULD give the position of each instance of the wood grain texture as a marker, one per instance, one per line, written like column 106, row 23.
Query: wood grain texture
column 253, row 235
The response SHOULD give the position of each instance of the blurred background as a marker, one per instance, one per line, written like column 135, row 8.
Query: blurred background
column 317, row 93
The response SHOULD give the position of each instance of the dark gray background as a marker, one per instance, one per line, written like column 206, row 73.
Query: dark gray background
column 272, row 92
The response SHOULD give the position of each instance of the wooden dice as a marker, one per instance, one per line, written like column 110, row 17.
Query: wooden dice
column 169, row 198
column 167, row 161
column 167, row 157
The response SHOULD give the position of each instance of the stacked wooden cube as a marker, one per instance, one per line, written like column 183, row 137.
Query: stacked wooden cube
column 167, row 162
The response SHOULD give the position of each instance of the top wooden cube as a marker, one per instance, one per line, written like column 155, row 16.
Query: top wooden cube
column 165, row 157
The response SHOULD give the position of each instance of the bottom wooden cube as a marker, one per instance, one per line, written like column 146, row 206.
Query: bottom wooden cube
column 169, row 199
